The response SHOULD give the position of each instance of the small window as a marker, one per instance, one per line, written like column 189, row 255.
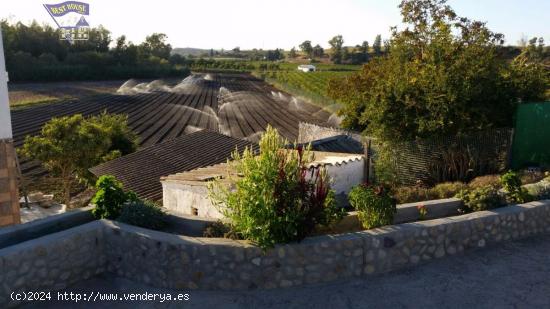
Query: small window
column 195, row 211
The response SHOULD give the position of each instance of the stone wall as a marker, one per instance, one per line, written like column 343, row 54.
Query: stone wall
column 19, row 233
column 52, row 262
column 9, row 196
column 172, row 261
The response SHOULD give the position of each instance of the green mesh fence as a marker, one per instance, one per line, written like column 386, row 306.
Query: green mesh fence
column 531, row 146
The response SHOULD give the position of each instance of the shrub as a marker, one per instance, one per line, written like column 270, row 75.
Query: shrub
column 540, row 190
column 528, row 176
column 483, row 181
column 376, row 207
column 417, row 193
column 217, row 229
column 482, row 198
column 144, row 214
column 515, row 193
column 273, row 200
column 109, row 198
column 412, row 194
column 448, row 189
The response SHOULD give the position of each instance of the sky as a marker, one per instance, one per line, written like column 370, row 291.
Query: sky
column 279, row 24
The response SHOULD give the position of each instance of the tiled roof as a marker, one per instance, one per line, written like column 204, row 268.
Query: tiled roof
column 141, row 170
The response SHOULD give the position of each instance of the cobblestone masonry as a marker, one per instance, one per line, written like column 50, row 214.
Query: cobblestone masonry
column 9, row 199
column 52, row 262
column 167, row 260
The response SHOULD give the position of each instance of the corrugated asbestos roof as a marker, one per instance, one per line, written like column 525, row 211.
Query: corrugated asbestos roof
column 141, row 170
column 339, row 143
column 202, row 176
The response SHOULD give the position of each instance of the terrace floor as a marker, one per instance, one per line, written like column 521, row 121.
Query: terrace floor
column 508, row 275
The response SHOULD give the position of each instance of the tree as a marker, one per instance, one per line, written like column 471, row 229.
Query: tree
column 273, row 55
column 122, row 139
column 336, row 44
column 318, row 51
column 306, row 48
column 177, row 59
column 377, row 45
column 98, row 40
column 155, row 45
column 442, row 77
column 292, row 53
column 69, row 146
column 528, row 72
column 365, row 51
column 346, row 55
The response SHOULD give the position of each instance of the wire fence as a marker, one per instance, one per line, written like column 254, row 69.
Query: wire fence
column 451, row 158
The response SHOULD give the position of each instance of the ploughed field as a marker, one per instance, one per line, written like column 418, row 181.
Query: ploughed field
column 238, row 105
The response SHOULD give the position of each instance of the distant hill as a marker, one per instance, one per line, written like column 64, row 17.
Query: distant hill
column 185, row 51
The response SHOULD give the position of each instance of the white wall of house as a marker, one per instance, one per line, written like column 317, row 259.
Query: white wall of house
column 5, row 118
column 186, row 199
column 345, row 176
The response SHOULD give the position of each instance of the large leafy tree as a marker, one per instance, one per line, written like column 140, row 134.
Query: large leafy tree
column 155, row 45
column 443, row 75
column 69, row 146
column 336, row 44
column 364, row 49
column 377, row 45
column 306, row 48
column 318, row 51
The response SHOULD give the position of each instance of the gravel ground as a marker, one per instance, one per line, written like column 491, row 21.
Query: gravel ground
column 508, row 275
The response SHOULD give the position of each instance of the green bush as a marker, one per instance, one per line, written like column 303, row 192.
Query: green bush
column 272, row 199
column 448, row 189
column 483, row 181
column 412, row 194
column 144, row 214
column 515, row 193
column 217, row 229
column 376, row 207
column 482, row 198
column 540, row 190
column 109, row 198
column 528, row 176
column 418, row 194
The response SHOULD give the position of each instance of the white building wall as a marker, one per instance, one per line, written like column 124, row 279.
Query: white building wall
column 5, row 118
column 343, row 177
column 182, row 198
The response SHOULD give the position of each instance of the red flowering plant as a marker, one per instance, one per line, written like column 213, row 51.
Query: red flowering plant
column 422, row 211
column 278, row 197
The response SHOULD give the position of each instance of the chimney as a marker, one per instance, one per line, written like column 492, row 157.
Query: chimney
column 9, row 195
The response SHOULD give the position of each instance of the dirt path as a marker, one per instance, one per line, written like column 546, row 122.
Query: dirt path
column 509, row 275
